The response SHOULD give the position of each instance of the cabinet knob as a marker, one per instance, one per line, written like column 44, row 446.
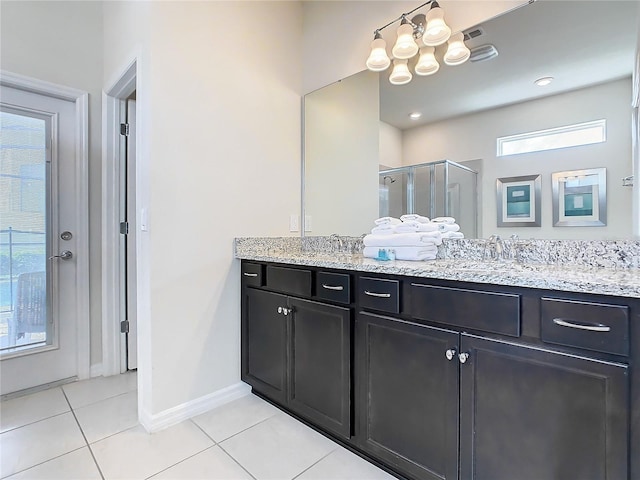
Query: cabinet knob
column 450, row 353
column 463, row 357
column 279, row 309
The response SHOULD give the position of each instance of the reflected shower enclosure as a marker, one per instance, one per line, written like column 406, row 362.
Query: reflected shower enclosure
column 436, row 189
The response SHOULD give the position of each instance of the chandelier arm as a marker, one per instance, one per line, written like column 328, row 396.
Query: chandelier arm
column 404, row 15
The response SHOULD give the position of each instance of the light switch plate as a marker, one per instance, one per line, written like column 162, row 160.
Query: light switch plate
column 307, row 223
column 294, row 221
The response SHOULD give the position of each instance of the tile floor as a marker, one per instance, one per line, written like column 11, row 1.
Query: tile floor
column 89, row 430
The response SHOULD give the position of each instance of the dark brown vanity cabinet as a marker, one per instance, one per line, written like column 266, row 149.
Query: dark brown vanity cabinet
column 450, row 380
column 297, row 352
column 534, row 414
column 320, row 364
column 265, row 343
column 407, row 398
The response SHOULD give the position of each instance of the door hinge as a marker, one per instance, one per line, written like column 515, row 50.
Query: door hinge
column 124, row 326
column 124, row 228
column 124, row 129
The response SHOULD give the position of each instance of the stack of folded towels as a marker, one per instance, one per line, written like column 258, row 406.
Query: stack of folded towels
column 412, row 237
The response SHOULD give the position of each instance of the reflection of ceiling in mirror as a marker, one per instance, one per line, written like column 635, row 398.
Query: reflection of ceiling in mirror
column 579, row 43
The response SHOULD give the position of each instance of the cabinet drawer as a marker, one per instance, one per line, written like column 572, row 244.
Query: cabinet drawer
column 379, row 294
column 252, row 274
column 293, row 281
column 486, row 311
column 592, row 326
column 333, row 286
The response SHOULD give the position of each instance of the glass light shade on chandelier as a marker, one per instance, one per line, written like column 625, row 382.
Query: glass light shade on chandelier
column 437, row 31
column 378, row 59
column 406, row 46
column 457, row 51
column 427, row 63
column 400, row 74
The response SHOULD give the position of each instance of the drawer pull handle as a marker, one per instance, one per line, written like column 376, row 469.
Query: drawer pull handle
column 379, row 295
column 592, row 328
column 250, row 274
column 333, row 287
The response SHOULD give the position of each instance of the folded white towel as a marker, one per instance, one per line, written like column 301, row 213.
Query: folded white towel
column 414, row 226
column 403, row 239
column 414, row 217
column 453, row 235
column 387, row 221
column 388, row 229
column 444, row 220
column 448, row 227
column 405, row 253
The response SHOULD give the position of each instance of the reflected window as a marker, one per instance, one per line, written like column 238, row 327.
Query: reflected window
column 576, row 135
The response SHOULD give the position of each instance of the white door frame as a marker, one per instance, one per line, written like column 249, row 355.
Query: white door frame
column 113, row 113
column 81, row 101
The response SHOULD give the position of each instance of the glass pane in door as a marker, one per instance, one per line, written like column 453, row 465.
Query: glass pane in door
column 23, row 226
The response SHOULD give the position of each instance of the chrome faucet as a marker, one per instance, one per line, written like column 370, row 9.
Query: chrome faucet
column 336, row 243
column 494, row 247
column 511, row 247
column 358, row 245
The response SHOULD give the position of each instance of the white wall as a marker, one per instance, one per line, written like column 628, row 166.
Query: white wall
column 223, row 156
column 474, row 136
column 342, row 156
column 338, row 34
column 390, row 146
column 61, row 42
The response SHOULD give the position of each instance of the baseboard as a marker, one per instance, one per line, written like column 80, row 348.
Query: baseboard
column 96, row 370
column 173, row 416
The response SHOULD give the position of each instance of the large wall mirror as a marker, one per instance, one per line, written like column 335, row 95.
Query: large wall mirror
column 360, row 126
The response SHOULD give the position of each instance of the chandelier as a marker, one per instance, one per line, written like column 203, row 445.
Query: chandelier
column 420, row 36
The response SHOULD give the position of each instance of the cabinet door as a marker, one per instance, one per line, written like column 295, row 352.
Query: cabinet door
column 264, row 343
column 320, row 367
column 529, row 413
column 408, row 396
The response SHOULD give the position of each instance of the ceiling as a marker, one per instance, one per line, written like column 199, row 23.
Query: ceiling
column 579, row 43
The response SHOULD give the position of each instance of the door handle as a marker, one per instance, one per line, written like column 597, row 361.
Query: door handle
column 64, row 255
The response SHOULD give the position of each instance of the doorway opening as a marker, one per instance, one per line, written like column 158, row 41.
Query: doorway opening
column 119, row 332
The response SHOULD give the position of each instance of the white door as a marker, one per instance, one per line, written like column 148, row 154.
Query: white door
column 41, row 233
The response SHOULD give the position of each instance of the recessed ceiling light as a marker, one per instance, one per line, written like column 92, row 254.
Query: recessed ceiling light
column 415, row 115
column 544, row 81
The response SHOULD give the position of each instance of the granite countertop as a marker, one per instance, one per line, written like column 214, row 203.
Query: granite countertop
column 621, row 282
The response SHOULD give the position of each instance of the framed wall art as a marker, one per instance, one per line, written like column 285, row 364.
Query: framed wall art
column 580, row 198
column 518, row 201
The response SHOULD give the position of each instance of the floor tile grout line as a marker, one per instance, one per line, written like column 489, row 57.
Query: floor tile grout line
column 100, row 401
column 244, row 429
column 217, row 444
column 203, row 431
column 114, row 434
column 84, row 436
column 315, row 463
column 181, row 461
column 236, row 461
column 44, row 461
column 35, row 421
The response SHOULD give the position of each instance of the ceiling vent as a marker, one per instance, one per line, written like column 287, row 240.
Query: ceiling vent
column 473, row 33
column 483, row 52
